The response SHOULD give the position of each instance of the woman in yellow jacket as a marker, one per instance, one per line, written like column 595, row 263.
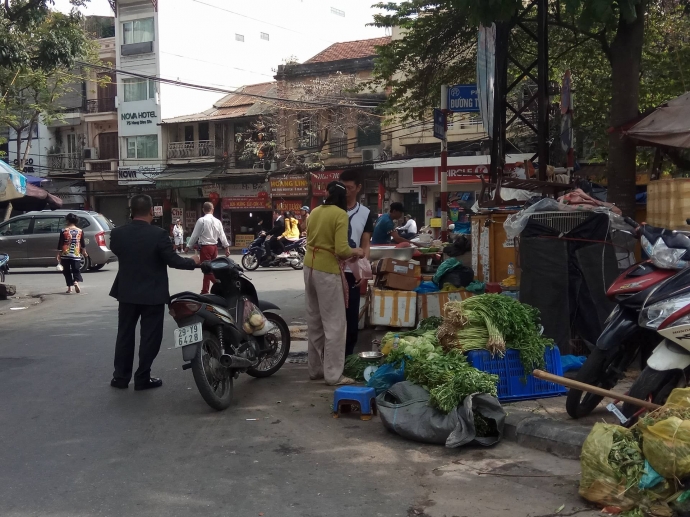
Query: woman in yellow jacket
column 291, row 233
column 323, row 280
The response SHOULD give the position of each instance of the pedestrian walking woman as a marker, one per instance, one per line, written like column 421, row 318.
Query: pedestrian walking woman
column 71, row 248
column 178, row 236
column 327, row 246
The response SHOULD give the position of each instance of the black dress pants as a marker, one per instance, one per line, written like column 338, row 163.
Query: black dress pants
column 352, row 314
column 151, row 336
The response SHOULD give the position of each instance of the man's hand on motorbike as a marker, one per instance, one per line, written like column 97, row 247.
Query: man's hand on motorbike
column 227, row 252
column 196, row 259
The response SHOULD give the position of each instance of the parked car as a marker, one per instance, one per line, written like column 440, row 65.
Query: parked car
column 31, row 239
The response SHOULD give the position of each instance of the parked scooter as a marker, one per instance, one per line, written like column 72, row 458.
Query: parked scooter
column 4, row 266
column 623, row 338
column 257, row 255
column 666, row 311
column 228, row 332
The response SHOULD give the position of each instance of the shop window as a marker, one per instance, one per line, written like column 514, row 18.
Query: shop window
column 307, row 132
column 144, row 146
column 138, row 89
column 264, row 36
column 138, row 31
column 369, row 136
column 204, row 132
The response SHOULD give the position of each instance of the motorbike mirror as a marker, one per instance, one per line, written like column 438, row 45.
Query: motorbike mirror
column 206, row 268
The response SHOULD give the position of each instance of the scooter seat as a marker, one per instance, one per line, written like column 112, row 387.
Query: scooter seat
column 213, row 299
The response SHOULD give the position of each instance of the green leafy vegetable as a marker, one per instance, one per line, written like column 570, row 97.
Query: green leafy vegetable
column 355, row 366
column 430, row 323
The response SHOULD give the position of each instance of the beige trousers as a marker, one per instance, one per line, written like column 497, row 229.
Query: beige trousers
column 326, row 325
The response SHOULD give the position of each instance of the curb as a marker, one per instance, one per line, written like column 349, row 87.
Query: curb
column 545, row 434
column 31, row 301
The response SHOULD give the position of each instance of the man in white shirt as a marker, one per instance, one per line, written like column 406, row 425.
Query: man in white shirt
column 359, row 232
column 208, row 231
column 409, row 229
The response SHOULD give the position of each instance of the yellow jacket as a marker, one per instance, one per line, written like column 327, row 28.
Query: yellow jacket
column 291, row 228
column 326, row 239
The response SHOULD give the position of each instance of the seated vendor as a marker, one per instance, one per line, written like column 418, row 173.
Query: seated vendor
column 409, row 229
column 384, row 231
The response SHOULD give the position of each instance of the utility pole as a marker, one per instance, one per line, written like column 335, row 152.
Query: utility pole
column 444, row 166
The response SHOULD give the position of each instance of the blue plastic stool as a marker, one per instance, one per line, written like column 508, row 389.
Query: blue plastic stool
column 346, row 396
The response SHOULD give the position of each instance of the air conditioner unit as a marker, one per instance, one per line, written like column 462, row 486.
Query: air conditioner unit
column 370, row 155
column 91, row 153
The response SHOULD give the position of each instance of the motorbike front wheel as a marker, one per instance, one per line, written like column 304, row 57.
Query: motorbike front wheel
column 279, row 340
column 652, row 384
column 213, row 381
column 600, row 369
column 250, row 262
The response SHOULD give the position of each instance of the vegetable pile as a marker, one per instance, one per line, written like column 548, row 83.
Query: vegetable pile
column 496, row 323
column 355, row 366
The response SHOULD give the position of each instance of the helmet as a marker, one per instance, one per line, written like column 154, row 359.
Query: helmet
column 306, row 209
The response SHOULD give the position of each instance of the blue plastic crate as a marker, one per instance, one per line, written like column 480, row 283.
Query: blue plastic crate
column 511, row 382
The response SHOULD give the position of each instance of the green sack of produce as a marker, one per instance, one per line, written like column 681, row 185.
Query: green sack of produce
column 612, row 465
column 666, row 436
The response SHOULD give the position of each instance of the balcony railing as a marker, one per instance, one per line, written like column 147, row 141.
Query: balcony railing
column 101, row 166
column 339, row 146
column 102, row 105
column 198, row 149
column 66, row 162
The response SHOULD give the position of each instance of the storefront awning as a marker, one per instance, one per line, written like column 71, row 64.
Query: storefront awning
column 178, row 178
column 452, row 161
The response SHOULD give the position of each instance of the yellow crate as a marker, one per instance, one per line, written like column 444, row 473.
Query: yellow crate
column 668, row 203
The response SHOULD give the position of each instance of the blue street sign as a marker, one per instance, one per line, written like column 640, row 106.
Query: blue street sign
column 463, row 98
column 439, row 124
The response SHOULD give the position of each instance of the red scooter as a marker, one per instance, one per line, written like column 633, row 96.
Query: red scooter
column 624, row 338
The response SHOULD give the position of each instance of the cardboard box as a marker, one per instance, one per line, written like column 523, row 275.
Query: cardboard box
column 389, row 265
column 393, row 308
column 432, row 304
column 400, row 282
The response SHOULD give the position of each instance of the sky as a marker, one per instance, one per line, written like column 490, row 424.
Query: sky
column 199, row 44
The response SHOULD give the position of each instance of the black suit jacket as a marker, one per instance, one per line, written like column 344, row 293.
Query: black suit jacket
column 144, row 253
column 278, row 227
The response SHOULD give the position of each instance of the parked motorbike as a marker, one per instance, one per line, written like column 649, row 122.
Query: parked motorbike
column 623, row 338
column 666, row 311
column 4, row 266
column 257, row 255
column 217, row 341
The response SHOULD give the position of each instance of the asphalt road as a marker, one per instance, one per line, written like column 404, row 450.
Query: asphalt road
column 74, row 447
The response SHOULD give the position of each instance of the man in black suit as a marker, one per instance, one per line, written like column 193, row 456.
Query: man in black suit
column 274, row 233
column 141, row 286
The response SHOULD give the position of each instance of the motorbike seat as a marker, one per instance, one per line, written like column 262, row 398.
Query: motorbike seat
column 213, row 299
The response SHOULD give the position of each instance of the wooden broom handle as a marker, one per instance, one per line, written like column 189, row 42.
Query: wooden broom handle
column 563, row 381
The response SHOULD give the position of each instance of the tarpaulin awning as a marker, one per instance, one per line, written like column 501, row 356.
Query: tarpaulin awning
column 171, row 178
column 35, row 199
column 33, row 180
column 483, row 159
column 12, row 183
column 668, row 125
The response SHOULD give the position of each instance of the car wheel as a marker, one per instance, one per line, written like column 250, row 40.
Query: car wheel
column 84, row 264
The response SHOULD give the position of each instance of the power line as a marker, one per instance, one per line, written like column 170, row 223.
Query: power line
column 217, row 64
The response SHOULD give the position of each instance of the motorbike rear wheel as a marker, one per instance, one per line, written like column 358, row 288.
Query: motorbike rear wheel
column 653, row 384
column 250, row 262
column 213, row 381
column 600, row 369
column 271, row 363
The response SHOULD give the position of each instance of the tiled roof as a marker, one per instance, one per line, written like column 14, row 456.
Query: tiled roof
column 234, row 105
column 349, row 50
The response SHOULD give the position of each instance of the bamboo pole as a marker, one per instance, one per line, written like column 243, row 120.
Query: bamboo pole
column 539, row 374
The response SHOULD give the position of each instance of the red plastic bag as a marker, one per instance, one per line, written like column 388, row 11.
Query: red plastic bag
column 361, row 269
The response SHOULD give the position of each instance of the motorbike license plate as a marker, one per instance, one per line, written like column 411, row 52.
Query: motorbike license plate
column 188, row 335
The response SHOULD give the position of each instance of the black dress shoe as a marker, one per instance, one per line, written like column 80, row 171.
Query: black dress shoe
column 119, row 384
column 153, row 382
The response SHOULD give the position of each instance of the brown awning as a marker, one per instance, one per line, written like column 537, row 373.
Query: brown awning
column 35, row 199
column 668, row 125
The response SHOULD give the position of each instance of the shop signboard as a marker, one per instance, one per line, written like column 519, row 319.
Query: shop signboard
column 320, row 180
column 243, row 240
column 246, row 203
column 289, row 186
column 243, row 189
column 207, row 190
column 457, row 174
column 190, row 218
column 157, row 211
column 177, row 213
column 138, row 175
column 289, row 205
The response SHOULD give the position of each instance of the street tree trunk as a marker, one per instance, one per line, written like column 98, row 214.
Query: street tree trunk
column 625, row 54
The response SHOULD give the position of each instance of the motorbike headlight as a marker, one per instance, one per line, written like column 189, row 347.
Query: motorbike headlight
column 653, row 316
column 662, row 256
column 615, row 311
